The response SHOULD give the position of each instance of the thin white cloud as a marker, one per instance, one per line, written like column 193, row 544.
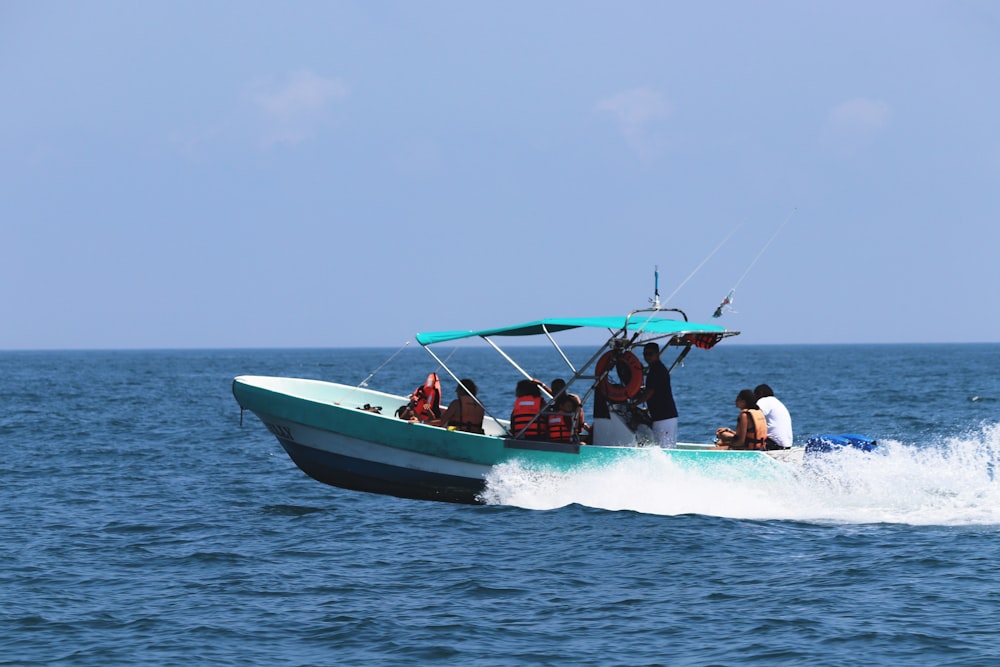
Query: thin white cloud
column 293, row 110
column 637, row 112
column 853, row 123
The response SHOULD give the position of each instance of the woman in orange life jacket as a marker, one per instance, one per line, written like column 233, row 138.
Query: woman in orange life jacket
column 527, row 403
column 751, row 428
column 464, row 413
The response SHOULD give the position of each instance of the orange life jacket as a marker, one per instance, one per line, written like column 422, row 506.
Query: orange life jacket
column 426, row 401
column 461, row 424
column 525, row 409
column 756, row 437
column 560, row 427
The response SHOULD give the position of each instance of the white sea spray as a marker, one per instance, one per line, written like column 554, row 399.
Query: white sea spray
column 952, row 482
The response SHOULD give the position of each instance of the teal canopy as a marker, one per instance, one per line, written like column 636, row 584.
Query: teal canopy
column 638, row 322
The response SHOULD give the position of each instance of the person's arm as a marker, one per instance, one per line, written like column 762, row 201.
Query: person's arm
column 644, row 394
column 740, row 437
column 731, row 438
column 648, row 391
column 450, row 412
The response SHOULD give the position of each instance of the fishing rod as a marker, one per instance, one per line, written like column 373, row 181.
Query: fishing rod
column 727, row 301
column 698, row 268
column 364, row 383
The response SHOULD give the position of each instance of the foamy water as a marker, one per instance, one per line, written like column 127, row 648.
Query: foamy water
column 947, row 483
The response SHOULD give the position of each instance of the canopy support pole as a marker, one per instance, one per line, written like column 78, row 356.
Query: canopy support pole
column 510, row 361
column 558, row 349
column 459, row 383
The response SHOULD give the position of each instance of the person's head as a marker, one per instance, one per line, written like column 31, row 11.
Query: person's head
column 468, row 384
column 745, row 400
column 527, row 388
column 557, row 385
column 651, row 352
column 762, row 390
column 568, row 403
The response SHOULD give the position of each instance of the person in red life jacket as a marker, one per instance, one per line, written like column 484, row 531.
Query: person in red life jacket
column 566, row 425
column 559, row 424
column 527, row 404
column 464, row 413
column 751, row 427
column 558, row 385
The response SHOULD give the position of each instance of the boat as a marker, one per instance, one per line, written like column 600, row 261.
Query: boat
column 351, row 437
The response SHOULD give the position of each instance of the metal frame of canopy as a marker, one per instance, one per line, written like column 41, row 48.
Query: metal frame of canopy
column 680, row 332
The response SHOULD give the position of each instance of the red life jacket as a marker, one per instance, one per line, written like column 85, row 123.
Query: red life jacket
column 560, row 427
column 426, row 401
column 525, row 409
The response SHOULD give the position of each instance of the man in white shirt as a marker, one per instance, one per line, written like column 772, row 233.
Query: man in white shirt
column 779, row 422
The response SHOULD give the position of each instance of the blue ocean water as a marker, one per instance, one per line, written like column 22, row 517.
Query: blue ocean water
column 142, row 524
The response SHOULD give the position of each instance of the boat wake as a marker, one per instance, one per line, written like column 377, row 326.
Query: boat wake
column 950, row 482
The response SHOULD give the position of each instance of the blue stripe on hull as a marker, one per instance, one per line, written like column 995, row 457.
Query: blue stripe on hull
column 359, row 475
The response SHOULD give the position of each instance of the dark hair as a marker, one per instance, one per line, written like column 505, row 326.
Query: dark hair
column 470, row 385
column 557, row 385
column 762, row 390
column 655, row 347
column 746, row 395
column 527, row 388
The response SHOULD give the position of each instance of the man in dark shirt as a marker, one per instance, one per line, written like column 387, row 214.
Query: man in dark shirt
column 659, row 398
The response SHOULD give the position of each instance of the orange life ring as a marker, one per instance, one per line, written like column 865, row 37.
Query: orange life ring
column 618, row 393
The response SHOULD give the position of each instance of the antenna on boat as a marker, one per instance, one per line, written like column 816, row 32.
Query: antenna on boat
column 364, row 383
column 655, row 301
column 727, row 301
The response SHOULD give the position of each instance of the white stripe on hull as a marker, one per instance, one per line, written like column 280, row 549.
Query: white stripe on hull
column 366, row 450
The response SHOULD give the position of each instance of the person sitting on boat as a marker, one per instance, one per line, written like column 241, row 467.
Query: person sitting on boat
column 527, row 406
column 751, row 428
column 659, row 398
column 779, row 422
column 558, row 385
column 566, row 424
column 464, row 413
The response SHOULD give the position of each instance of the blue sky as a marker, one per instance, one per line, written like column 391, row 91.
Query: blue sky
column 244, row 174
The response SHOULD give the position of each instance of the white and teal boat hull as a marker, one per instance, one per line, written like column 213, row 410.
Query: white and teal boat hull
column 327, row 433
